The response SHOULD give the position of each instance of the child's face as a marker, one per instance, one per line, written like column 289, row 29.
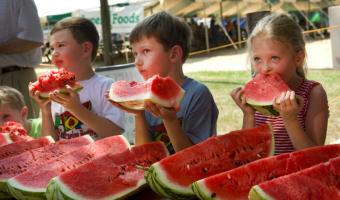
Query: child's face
column 270, row 56
column 151, row 58
column 66, row 51
column 7, row 113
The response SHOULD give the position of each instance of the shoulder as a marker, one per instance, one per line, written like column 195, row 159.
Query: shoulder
column 318, row 92
column 195, row 87
column 99, row 80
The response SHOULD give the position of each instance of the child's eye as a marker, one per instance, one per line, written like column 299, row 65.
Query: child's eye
column 146, row 51
column 275, row 58
column 256, row 59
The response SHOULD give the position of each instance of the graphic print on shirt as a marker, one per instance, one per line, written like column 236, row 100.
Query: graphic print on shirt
column 159, row 133
column 69, row 126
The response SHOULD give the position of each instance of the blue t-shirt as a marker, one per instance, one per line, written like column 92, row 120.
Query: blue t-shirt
column 198, row 115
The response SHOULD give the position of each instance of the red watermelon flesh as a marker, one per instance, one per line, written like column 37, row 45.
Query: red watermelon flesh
column 19, row 147
column 261, row 91
column 164, row 91
column 34, row 181
column 13, row 132
column 176, row 173
column 15, row 165
column 114, row 175
column 319, row 182
column 236, row 183
column 55, row 80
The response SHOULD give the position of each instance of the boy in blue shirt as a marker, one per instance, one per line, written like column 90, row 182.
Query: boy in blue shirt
column 160, row 45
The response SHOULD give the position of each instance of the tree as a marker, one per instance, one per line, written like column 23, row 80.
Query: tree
column 106, row 29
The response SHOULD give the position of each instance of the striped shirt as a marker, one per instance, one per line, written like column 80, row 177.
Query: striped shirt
column 283, row 144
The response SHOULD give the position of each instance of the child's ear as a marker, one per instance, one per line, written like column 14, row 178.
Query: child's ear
column 176, row 53
column 24, row 112
column 87, row 48
column 300, row 58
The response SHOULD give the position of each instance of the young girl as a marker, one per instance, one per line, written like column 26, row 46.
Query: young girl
column 277, row 46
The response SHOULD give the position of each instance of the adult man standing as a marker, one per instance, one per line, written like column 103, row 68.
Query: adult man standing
column 20, row 40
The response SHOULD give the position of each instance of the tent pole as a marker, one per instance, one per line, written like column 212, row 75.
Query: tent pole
column 206, row 28
column 238, row 24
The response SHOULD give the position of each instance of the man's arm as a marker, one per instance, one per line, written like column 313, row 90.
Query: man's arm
column 17, row 45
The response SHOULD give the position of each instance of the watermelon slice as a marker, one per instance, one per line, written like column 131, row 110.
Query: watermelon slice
column 32, row 184
column 113, row 176
column 19, row 147
column 172, row 177
column 236, row 183
column 13, row 132
column 164, row 91
column 15, row 165
column 261, row 91
column 319, row 182
column 55, row 80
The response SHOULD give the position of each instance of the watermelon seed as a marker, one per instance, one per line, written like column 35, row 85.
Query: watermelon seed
column 205, row 170
column 228, row 176
column 213, row 195
column 259, row 155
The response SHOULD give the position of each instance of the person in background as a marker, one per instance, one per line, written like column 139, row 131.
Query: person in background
column 277, row 46
column 20, row 40
column 74, row 45
column 13, row 108
column 160, row 45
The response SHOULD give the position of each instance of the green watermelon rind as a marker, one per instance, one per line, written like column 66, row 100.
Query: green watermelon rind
column 46, row 95
column 4, row 194
column 256, row 193
column 201, row 191
column 264, row 108
column 20, row 191
column 165, row 187
column 56, row 189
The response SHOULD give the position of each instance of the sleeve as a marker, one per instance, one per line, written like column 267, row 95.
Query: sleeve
column 107, row 109
column 28, row 22
column 200, row 119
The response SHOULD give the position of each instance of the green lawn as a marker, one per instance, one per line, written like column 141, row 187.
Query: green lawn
column 230, row 117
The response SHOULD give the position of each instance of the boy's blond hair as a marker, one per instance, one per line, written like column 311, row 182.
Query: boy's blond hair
column 12, row 97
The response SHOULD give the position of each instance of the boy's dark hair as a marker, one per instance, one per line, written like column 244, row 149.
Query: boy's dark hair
column 167, row 29
column 82, row 29
column 11, row 97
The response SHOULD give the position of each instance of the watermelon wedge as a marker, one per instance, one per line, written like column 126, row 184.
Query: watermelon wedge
column 55, row 80
column 15, row 165
column 172, row 176
column 319, row 182
column 113, row 176
column 164, row 91
column 19, row 147
column 13, row 132
column 261, row 91
column 32, row 184
column 236, row 183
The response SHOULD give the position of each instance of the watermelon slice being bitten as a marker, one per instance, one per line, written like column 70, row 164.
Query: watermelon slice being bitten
column 163, row 91
column 55, row 80
column 261, row 91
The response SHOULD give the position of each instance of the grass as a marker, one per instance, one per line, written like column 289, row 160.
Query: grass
column 230, row 117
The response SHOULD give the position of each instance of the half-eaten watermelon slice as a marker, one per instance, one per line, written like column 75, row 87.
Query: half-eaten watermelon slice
column 13, row 132
column 55, row 80
column 172, row 176
column 319, row 182
column 236, row 183
column 261, row 91
column 164, row 91
column 113, row 176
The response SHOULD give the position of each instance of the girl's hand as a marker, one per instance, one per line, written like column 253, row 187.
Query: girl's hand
column 128, row 110
column 236, row 95
column 70, row 100
column 43, row 103
column 160, row 111
column 288, row 105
